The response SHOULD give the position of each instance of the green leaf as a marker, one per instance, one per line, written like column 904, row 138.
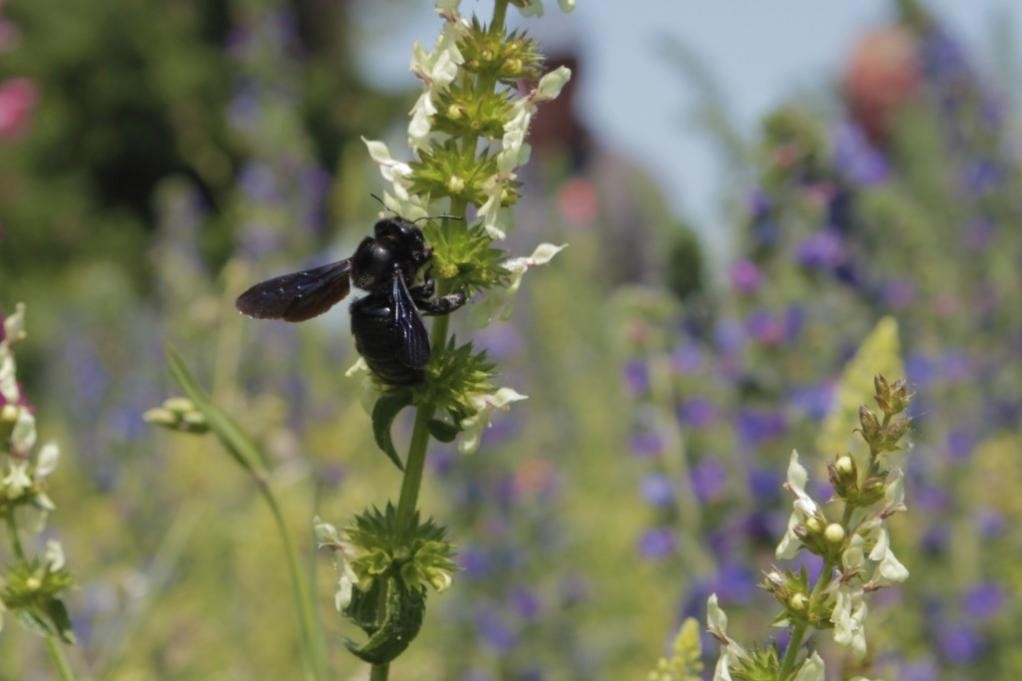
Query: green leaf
column 231, row 437
column 880, row 353
column 402, row 619
column 61, row 621
column 443, row 431
column 384, row 412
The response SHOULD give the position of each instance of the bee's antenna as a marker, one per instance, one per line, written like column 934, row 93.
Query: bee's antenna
column 379, row 200
column 442, row 216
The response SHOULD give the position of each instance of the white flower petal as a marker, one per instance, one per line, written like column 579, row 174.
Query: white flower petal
column 46, row 462
column 14, row 325
column 812, row 669
column 23, row 436
column 54, row 556
column 551, row 84
column 326, row 534
column 8, row 376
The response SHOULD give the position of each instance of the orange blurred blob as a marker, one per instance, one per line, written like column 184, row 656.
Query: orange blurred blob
column 882, row 74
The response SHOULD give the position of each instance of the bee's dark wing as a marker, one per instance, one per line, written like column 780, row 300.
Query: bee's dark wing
column 299, row 296
column 415, row 349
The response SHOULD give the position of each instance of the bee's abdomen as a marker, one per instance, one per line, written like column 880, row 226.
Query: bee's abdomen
column 382, row 344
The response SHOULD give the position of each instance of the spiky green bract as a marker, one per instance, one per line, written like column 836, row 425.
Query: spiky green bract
column 393, row 563
column 762, row 664
column 686, row 661
column 464, row 112
column 31, row 590
column 454, row 375
column 496, row 56
column 466, row 258
column 417, row 553
column 452, row 171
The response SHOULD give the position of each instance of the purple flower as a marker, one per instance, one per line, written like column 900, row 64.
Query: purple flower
column 756, row 426
column 524, row 602
column 474, row 563
column 983, row 601
column 960, row 643
column 935, row 539
column 920, row 369
column 765, row 484
column 258, row 181
column 735, row 582
column 494, row 631
column 729, row 335
column 899, row 294
column 708, row 479
column 657, row 543
column 960, row 443
column 822, row 250
column 658, row 490
column 856, row 158
column 989, row 523
column 647, row 444
column 686, row 358
column 764, row 327
column 794, row 321
column 636, row 377
column 931, row 498
column 697, row 413
column 813, row 401
column 745, row 277
column 759, row 204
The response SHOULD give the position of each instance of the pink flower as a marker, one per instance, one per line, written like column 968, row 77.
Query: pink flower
column 745, row 277
column 18, row 97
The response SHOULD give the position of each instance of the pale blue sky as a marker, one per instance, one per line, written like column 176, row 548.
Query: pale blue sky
column 759, row 50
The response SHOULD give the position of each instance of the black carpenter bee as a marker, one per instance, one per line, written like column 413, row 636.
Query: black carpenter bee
column 386, row 323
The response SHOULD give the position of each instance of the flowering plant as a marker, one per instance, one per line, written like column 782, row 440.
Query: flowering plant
column 468, row 129
column 31, row 587
column 855, row 549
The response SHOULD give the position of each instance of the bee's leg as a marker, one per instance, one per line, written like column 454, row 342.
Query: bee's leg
column 423, row 291
column 443, row 304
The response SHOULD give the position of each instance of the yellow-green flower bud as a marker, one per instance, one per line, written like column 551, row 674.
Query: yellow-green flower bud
column 455, row 185
column 834, row 533
column 798, row 602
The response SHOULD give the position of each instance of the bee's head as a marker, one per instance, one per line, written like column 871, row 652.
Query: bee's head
column 406, row 240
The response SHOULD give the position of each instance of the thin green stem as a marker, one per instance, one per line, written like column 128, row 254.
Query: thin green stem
column 12, row 529
column 499, row 14
column 788, row 663
column 312, row 643
column 380, row 672
column 59, row 660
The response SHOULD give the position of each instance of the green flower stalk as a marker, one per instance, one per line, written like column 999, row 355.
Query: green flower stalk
column 468, row 131
column 849, row 533
column 31, row 587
